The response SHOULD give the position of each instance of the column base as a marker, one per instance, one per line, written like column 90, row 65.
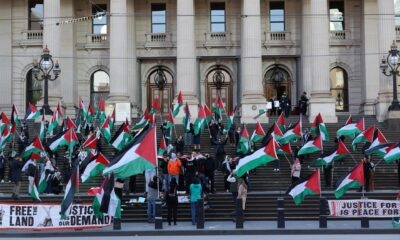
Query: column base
column 369, row 107
column 251, row 108
column 382, row 106
column 323, row 104
column 393, row 120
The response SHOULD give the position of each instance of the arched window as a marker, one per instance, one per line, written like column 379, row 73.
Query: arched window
column 339, row 90
column 100, row 86
column 34, row 89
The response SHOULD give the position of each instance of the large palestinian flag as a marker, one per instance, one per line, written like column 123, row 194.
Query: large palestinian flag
column 244, row 143
column 35, row 147
column 67, row 138
column 177, row 105
column 318, row 128
column 351, row 129
column 200, row 122
column 312, row 146
column 94, row 168
column 138, row 156
column 365, row 136
column 107, row 200
column 106, row 129
column 32, row 113
column 260, row 157
column 393, row 153
column 376, row 145
column 292, row 134
column 352, row 180
column 15, row 116
column 337, row 154
column 308, row 186
column 186, row 119
column 70, row 190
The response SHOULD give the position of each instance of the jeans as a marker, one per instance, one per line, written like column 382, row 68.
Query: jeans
column 193, row 206
column 151, row 209
column 149, row 174
column 165, row 182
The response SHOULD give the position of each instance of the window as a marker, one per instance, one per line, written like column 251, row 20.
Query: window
column 218, row 17
column 336, row 15
column 158, row 18
column 397, row 11
column 100, row 86
column 34, row 89
column 35, row 15
column 277, row 16
column 338, row 78
column 99, row 24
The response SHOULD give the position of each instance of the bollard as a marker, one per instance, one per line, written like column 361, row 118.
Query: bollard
column 323, row 223
column 364, row 220
column 117, row 223
column 239, row 213
column 281, row 213
column 158, row 222
column 200, row 214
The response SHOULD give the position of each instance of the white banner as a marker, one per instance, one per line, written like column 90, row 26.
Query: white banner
column 364, row 208
column 25, row 216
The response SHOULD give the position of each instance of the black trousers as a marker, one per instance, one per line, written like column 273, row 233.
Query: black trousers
column 211, row 178
column 1, row 174
column 172, row 213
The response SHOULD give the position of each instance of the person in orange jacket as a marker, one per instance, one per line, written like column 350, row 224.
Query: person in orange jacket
column 174, row 167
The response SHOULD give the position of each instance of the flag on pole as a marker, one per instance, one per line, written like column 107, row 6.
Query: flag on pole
column 70, row 124
column 107, row 200
column 365, row 136
column 32, row 189
column 82, row 109
column 292, row 134
column 312, row 146
column 52, row 124
column 200, row 122
column 170, row 120
column 106, row 130
column 32, row 113
column 378, row 140
column 284, row 149
column 59, row 113
column 90, row 145
column 339, row 153
column 70, row 190
column 35, row 147
column 42, row 132
column 163, row 147
column 15, row 116
column 67, row 138
column 393, row 153
column 350, row 129
column 209, row 115
column 94, row 168
column 281, row 122
column 121, row 137
column 5, row 137
column 352, row 180
column 90, row 113
column 244, row 142
column 318, row 128
column 218, row 106
column 4, row 122
column 101, row 110
column 229, row 121
column 258, row 133
column 143, row 122
column 112, row 121
column 311, row 185
column 186, row 119
column 177, row 105
column 155, row 108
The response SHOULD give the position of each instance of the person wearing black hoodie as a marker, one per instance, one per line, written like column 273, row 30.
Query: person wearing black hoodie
column 171, row 198
column 209, row 169
column 220, row 151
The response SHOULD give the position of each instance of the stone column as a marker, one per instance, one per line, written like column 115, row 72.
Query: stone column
column 133, row 78
column 119, row 91
column 51, row 39
column 370, row 60
column 186, row 56
column 251, row 63
column 321, row 100
column 67, row 62
column 387, row 33
column 306, row 46
column 5, row 56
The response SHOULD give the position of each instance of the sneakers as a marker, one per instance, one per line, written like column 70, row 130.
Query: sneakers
column 2, row 180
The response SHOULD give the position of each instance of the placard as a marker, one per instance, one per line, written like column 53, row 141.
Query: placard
column 276, row 104
column 269, row 105
column 25, row 216
column 364, row 208
column 122, row 112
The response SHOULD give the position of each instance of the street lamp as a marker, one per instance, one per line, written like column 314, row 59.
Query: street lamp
column 392, row 60
column 42, row 72
column 160, row 79
column 277, row 77
column 218, row 79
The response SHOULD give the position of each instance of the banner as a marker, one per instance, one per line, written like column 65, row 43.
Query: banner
column 25, row 216
column 364, row 208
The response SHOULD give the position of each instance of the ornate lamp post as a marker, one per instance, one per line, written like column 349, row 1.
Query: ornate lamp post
column 392, row 60
column 277, row 77
column 161, row 80
column 218, row 79
column 42, row 72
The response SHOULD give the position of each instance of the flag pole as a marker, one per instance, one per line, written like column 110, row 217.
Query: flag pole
column 378, row 162
column 351, row 155
column 158, row 182
column 332, row 172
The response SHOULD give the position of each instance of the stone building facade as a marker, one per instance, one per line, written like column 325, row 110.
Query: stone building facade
column 245, row 51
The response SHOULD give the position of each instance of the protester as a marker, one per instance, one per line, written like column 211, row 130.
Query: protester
column 242, row 190
column 163, row 165
column 238, row 133
column 220, row 151
column 16, row 167
column 179, row 144
column 231, row 134
column 174, row 167
column 152, row 196
column 190, row 166
column 213, row 131
column 195, row 195
column 285, row 105
column 119, row 187
column 233, row 186
column 303, row 104
column 296, row 170
column 328, row 175
column 148, row 175
column 209, row 170
column 171, row 198
column 196, row 141
column 272, row 111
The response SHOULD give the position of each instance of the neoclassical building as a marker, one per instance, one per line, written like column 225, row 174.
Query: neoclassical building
column 246, row 51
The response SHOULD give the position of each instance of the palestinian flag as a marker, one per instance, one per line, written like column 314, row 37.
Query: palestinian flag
column 155, row 108
column 32, row 112
column 121, row 137
column 285, row 149
column 365, row 136
column 244, row 143
column 312, row 146
column 351, row 129
column 107, row 200
column 138, row 156
column 4, row 122
column 94, row 168
column 260, row 157
column 82, row 109
column 44, row 177
column 229, row 121
column 35, row 147
column 15, row 116
column 105, row 129
column 143, row 122
column 177, row 105
column 209, row 115
column 393, row 153
column 112, row 121
column 42, row 132
column 258, row 133
column 318, row 128
column 90, row 145
column 311, row 185
column 70, row 190
column 70, row 124
column 101, row 110
column 218, row 106
column 32, row 189
column 337, row 154
column 90, row 113
column 186, row 119
column 52, row 124
column 276, row 132
column 281, row 122
column 352, row 180
column 59, row 113
column 5, row 138
column 378, row 141
column 66, row 138
column 200, row 122
column 163, row 147
column 170, row 120
column 292, row 134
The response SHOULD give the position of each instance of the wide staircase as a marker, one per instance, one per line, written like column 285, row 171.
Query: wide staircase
column 266, row 185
